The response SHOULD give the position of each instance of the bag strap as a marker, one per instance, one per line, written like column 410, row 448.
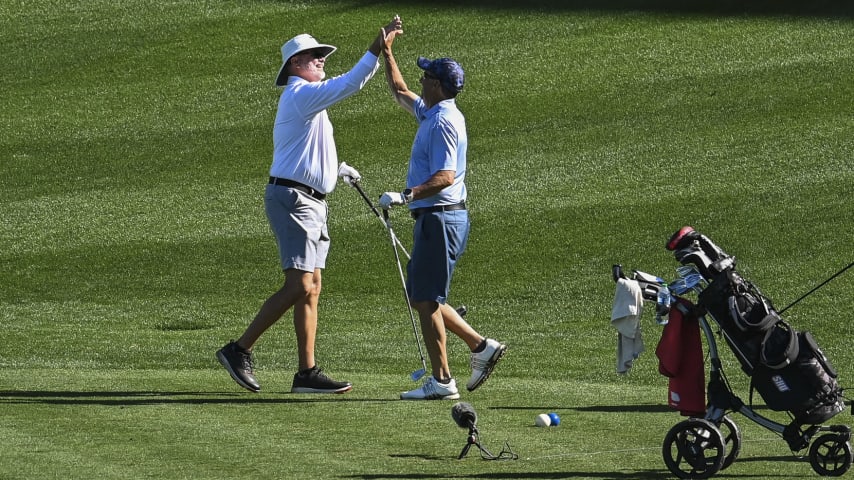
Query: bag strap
column 790, row 354
column 768, row 319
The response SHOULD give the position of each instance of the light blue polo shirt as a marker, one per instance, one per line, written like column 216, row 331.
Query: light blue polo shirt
column 440, row 144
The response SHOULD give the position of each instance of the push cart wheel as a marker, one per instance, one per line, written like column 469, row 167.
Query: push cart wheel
column 732, row 440
column 694, row 448
column 830, row 455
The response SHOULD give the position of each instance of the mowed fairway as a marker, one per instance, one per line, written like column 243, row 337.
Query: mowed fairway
column 134, row 147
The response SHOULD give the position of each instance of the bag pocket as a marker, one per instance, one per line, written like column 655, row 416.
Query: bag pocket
column 780, row 347
column 750, row 311
column 806, row 387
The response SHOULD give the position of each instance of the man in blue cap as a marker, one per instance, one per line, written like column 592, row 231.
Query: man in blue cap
column 436, row 195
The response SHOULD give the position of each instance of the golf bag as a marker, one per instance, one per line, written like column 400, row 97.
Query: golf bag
column 786, row 366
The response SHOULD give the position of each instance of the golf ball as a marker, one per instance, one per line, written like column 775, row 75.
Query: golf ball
column 555, row 419
column 543, row 420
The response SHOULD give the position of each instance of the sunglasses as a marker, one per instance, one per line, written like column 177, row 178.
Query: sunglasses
column 430, row 75
column 315, row 53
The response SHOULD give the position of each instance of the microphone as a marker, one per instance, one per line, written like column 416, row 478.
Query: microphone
column 464, row 414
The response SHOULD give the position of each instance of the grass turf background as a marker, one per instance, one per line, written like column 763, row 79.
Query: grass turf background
column 135, row 144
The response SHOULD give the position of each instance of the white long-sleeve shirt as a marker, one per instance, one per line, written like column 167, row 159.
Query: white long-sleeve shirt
column 303, row 144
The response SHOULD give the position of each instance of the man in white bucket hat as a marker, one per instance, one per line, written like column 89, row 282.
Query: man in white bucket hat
column 303, row 172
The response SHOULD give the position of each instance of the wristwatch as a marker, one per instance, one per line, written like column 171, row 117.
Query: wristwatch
column 407, row 195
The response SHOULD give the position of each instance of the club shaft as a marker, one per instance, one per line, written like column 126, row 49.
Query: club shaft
column 405, row 291
column 395, row 244
column 367, row 200
column 817, row 287
column 380, row 217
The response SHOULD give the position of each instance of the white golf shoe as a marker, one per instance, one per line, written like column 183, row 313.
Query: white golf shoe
column 483, row 362
column 433, row 390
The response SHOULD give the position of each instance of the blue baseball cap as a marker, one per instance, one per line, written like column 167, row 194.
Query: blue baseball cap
column 447, row 70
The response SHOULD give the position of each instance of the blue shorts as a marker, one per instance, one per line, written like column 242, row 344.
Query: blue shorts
column 298, row 221
column 440, row 239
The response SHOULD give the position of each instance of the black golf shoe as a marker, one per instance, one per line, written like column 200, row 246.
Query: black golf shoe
column 314, row 380
column 238, row 362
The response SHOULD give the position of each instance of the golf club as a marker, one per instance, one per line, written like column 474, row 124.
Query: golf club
column 462, row 309
column 416, row 375
column 384, row 219
column 816, row 288
column 394, row 238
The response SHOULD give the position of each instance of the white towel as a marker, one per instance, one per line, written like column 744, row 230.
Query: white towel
column 625, row 317
column 628, row 350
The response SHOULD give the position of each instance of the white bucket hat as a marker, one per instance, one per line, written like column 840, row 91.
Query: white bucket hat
column 298, row 44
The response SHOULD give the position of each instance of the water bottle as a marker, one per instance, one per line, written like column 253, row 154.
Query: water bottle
column 662, row 305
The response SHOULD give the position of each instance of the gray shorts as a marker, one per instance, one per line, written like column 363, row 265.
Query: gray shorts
column 298, row 221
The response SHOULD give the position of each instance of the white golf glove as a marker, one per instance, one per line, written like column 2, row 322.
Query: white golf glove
column 391, row 198
column 349, row 174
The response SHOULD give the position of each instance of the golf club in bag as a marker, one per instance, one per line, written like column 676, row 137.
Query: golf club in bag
column 816, row 288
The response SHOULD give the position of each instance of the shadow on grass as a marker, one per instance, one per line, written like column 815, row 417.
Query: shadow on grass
column 776, row 458
column 639, row 475
column 133, row 398
column 640, row 408
column 814, row 8
column 643, row 408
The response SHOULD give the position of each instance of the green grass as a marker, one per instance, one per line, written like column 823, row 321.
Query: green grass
column 135, row 142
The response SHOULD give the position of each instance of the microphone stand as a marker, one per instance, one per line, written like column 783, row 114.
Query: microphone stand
column 467, row 418
column 472, row 440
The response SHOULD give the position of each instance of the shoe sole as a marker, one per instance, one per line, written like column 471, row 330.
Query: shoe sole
column 499, row 354
column 234, row 376
column 321, row 390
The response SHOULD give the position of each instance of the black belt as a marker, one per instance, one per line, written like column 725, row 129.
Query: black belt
column 284, row 182
column 438, row 208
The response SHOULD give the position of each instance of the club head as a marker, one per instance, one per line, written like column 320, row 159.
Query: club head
column 418, row 374
column 681, row 238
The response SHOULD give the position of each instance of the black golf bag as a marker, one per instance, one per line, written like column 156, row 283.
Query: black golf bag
column 785, row 365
